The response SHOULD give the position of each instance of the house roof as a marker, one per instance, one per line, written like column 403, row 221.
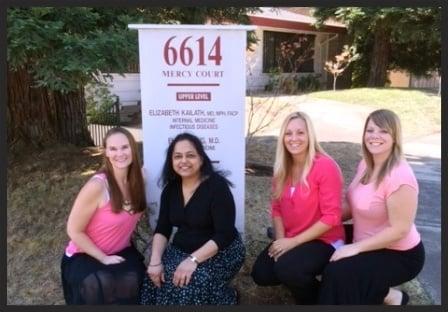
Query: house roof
column 282, row 18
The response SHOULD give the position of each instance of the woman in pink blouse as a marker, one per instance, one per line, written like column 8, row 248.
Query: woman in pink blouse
column 306, row 212
column 382, row 200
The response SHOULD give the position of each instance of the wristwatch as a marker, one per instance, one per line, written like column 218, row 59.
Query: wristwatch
column 194, row 259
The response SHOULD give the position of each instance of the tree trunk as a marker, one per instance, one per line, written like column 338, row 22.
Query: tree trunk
column 380, row 56
column 31, row 116
column 334, row 82
column 71, row 118
column 42, row 117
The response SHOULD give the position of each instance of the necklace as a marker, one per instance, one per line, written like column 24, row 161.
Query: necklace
column 127, row 206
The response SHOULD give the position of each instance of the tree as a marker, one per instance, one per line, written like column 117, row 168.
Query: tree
column 292, row 54
column 390, row 38
column 53, row 53
column 342, row 61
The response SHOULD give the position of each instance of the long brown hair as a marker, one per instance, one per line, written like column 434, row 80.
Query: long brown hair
column 135, row 177
column 389, row 121
column 283, row 159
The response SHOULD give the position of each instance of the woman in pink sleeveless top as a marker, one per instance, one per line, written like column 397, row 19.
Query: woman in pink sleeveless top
column 382, row 199
column 100, row 265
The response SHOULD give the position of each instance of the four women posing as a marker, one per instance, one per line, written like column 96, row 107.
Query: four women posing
column 101, row 266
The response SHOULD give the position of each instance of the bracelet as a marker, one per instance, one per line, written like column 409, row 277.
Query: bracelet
column 154, row 265
column 194, row 259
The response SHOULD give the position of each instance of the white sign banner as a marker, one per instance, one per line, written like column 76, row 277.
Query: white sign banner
column 193, row 79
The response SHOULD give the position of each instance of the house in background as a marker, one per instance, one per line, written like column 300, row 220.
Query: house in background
column 277, row 25
column 274, row 25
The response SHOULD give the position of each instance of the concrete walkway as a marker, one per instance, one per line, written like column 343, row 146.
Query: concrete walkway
column 424, row 155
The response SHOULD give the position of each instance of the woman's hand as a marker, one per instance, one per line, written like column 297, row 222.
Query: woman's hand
column 345, row 251
column 155, row 273
column 112, row 259
column 280, row 246
column 183, row 273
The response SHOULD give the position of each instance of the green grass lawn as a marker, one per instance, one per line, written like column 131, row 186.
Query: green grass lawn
column 419, row 111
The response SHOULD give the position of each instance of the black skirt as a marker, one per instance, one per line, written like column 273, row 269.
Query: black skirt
column 85, row 280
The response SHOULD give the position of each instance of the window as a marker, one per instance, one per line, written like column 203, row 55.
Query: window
column 288, row 51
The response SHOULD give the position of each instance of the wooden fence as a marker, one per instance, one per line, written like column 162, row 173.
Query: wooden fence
column 99, row 125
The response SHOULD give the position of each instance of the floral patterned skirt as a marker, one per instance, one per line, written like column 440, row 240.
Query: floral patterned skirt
column 209, row 284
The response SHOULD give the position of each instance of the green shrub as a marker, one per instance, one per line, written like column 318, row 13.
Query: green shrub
column 274, row 79
column 308, row 83
column 101, row 105
column 291, row 83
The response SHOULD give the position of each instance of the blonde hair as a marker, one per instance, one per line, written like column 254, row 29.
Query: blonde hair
column 389, row 121
column 283, row 160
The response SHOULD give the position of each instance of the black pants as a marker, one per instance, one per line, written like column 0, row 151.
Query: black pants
column 296, row 269
column 367, row 277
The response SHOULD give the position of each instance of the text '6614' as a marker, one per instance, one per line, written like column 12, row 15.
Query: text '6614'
column 188, row 51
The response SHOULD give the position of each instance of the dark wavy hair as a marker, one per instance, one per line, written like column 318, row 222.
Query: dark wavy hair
column 168, row 174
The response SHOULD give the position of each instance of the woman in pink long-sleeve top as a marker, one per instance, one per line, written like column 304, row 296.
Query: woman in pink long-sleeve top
column 306, row 212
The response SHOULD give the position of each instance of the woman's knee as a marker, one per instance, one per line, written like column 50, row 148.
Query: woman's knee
column 262, row 270
column 97, row 288
column 262, row 276
column 201, row 276
column 90, row 286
